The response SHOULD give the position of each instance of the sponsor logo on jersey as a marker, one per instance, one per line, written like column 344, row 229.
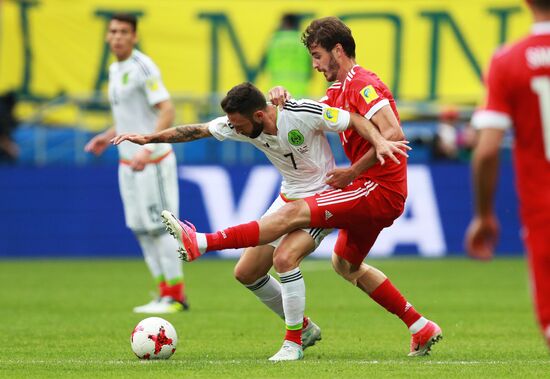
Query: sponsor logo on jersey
column 125, row 78
column 331, row 114
column 152, row 84
column 327, row 215
column 369, row 94
column 295, row 137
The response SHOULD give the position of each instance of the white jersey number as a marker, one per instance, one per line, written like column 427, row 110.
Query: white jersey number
column 541, row 86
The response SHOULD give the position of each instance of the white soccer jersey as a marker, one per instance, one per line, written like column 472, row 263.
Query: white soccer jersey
column 135, row 86
column 300, row 151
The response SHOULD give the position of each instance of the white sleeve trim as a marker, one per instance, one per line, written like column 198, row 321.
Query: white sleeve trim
column 484, row 119
column 376, row 108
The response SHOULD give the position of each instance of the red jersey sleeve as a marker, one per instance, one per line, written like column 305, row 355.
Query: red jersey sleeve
column 367, row 98
column 497, row 92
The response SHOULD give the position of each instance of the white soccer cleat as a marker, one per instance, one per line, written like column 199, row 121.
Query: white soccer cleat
column 146, row 307
column 163, row 305
column 289, row 352
column 310, row 334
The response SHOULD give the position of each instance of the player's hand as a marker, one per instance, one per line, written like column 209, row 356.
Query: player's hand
column 481, row 237
column 340, row 177
column 135, row 138
column 140, row 159
column 390, row 149
column 97, row 145
column 279, row 96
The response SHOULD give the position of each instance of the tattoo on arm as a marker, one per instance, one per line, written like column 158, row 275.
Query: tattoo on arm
column 184, row 133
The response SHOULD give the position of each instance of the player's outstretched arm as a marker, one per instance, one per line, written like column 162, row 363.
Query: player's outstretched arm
column 182, row 133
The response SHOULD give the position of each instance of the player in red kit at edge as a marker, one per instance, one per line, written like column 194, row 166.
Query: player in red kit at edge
column 518, row 96
column 371, row 197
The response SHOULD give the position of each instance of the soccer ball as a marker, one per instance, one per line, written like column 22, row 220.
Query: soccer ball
column 154, row 338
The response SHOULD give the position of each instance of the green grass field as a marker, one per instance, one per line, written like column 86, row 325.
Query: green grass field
column 73, row 319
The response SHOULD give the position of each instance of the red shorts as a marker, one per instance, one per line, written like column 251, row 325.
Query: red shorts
column 361, row 211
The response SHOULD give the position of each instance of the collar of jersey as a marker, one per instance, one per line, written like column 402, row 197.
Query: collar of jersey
column 541, row 27
column 350, row 75
column 127, row 60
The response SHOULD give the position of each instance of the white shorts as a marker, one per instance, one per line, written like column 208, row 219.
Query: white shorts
column 316, row 233
column 146, row 193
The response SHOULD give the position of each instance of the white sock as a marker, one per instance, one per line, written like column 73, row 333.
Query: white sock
column 294, row 296
column 149, row 250
column 417, row 325
column 201, row 242
column 169, row 259
column 268, row 290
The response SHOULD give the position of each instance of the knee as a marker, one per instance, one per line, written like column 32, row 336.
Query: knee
column 246, row 276
column 347, row 270
column 340, row 266
column 283, row 262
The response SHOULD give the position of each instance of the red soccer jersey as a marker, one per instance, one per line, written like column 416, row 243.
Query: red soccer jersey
column 364, row 93
column 518, row 95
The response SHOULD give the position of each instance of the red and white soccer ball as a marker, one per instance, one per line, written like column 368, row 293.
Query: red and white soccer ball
column 154, row 338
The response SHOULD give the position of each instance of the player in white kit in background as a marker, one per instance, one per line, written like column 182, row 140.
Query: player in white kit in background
column 147, row 175
column 293, row 140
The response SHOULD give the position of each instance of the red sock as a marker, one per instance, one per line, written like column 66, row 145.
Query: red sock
column 163, row 289
column 390, row 298
column 176, row 292
column 294, row 336
column 243, row 235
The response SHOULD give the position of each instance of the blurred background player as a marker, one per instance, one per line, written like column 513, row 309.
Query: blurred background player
column 9, row 151
column 147, row 175
column 453, row 139
column 518, row 97
column 288, row 64
column 371, row 198
column 303, row 166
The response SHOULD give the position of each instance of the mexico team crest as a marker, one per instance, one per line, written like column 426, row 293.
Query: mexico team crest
column 331, row 114
column 295, row 137
column 369, row 94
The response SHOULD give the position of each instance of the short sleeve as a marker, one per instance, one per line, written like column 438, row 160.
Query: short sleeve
column 221, row 129
column 318, row 116
column 334, row 119
column 495, row 113
column 368, row 98
column 154, row 88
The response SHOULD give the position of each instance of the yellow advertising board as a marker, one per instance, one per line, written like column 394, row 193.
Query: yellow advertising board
column 425, row 50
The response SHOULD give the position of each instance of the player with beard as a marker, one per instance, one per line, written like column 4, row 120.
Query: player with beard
column 371, row 198
column 293, row 140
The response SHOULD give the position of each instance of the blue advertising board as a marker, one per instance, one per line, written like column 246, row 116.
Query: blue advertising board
column 77, row 212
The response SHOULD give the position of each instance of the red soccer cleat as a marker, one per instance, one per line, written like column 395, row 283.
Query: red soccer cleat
column 185, row 233
column 422, row 341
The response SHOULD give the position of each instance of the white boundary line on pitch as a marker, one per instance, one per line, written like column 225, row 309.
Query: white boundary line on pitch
column 248, row 361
